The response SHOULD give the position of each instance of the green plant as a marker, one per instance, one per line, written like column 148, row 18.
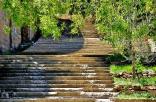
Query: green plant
column 143, row 81
column 147, row 81
column 126, row 82
column 120, row 69
column 136, row 95
column 124, row 24
column 44, row 14
column 116, row 69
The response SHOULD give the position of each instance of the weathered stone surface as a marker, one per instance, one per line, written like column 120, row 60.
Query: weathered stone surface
column 4, row 38
column 68, row 77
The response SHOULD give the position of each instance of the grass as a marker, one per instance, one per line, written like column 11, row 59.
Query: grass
column 135, row 82
column 136, row 95
column 126, row 82
column 147, row 81
column 128, row 68
column 119, row 69
column 142, row 81
column 130, row 81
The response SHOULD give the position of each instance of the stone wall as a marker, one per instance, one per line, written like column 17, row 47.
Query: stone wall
column 4, row 38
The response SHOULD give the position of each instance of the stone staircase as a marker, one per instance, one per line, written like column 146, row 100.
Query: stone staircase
column 68, row 70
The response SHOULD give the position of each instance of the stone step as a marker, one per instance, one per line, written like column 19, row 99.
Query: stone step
column 84, row 62
column 47, row 58
column 54, row 70
column 93, row 47
column 97, row 53
column 58, row 89
column 87, row 77
column 55, row 86
column 82, row 94
column 70, row 39
column 51, row 62
column 72, row 44
column 67, row 49
column 55, row 65
column 32, row 57
column 51, row 99
column 46, row 67
column 54, row 74
column 57, row 99
column 56, row 81
column 78, row 59
column 63, row 51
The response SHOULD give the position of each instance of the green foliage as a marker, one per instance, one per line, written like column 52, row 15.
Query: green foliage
column 124, row 22
column 77, row 23
column 120, row 69
column 142, row 81
column 83, row 7
column 135, row 82
column 114, row 69
column 147, row 81
column 6, row 30
column 115, row 58
column 136, row 95
column 126, row 82
column 44, row 14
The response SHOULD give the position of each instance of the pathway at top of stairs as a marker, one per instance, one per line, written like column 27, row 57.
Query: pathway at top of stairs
column 69, row 70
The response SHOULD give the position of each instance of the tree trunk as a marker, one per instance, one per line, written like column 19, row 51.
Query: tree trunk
column 37, row 35
column 134, row 65
column 38, row 31
column 24, row 34
column 133, row 59
column 133, row 62
column 10, row 34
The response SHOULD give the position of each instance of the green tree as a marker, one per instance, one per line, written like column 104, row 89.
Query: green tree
column 44, row 14
column 124, row 23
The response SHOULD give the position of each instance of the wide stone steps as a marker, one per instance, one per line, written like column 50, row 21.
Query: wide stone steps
column 33, row 79
column 71, row 69
column 81, row 45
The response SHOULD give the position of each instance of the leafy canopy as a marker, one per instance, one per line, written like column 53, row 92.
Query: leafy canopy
column 45, row 13
column 124, row 22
